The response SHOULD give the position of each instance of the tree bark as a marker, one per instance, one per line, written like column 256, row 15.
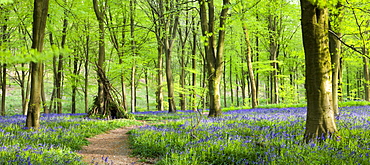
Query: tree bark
column 4, row 39
column 170, row 26
column 214, row 51
column 183, row 40
column 250, row 67
column 74, row 84
column 320, row 122
column 159, row 92
column 119, row 45
column 231, row 82
column 86, row 82
column 40, row 13
column 133, row 50
column 147, row 89
column 59, row 78
column 3, row 89
column 335, row 51
column 273, row 50
column 101, row 59
column 366, row 76
column 193, row 66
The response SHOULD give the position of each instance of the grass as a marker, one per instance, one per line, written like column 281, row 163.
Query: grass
column 254, row 136
column 54, row 143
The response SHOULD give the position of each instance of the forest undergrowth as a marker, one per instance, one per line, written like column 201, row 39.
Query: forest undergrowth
column 244, row 136
column 253, row 136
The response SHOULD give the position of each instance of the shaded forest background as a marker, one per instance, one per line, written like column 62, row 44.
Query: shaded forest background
column 140, row 36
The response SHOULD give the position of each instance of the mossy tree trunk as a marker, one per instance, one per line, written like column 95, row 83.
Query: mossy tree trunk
column 320, row 122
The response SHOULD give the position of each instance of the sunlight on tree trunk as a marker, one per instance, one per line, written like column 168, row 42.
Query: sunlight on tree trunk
column 320, row 122
column 335, row 51
column 40, row 13
column 214, row 51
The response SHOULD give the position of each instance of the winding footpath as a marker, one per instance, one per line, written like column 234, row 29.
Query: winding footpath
column 111, row 148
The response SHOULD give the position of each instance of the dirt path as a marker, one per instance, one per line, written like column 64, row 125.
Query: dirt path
column 111, row 148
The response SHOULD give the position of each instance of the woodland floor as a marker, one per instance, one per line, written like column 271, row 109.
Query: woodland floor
column 114, row 145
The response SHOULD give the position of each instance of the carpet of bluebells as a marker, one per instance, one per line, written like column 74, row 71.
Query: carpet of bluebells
column 56, row 142
column 253, row 136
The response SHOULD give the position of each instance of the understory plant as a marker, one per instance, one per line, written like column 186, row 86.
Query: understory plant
column 254, row 136
column 56, row 142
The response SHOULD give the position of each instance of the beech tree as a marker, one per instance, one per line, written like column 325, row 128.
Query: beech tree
column 320, row 122
column 214, row 49
column 335, row 50
column 40, row 13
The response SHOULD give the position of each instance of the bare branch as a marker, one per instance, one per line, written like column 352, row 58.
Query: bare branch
column 349, row 46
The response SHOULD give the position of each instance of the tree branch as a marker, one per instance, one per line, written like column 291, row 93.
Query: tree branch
column 349, row 46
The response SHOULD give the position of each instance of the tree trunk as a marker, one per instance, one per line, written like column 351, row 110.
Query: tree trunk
column 159, row 92
column 40, row 13
column 320, row 122
column 119, row 45
column 147, row 89
column 43, row 96
column 59, row 78
column 133, row 50
column 193, row 66
column 214, row 51
column 170, row 83
column 171, row 25
column 243, row 85
column 237, row 89
column 231, row 82
column 4, row 39
column 74, row 84
column 366, row 78
column 3, row 89
column 250, row 68
column 101, row 59
column 335, row 51
column 86, row 82
column 182, row 80
column 273, row 50
column 224, row 87
column 27, row 95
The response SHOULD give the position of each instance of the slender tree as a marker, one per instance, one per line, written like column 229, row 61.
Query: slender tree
column 165, row 17
column 40, row 13
column 320, row 122
column 249, row 58
column 335, row 50
column 133, row 51
column 119, row 44
column 274, row 21
column 3, row 42
column 99, row 12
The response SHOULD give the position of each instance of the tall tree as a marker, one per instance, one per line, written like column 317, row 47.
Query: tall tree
column 166, row 19
column 99, row 9
column 3, row 42
column 170, row 27
column 119, row 44
column 214, row 49
column 249, row 58
column 335, row 50
column 133, row 51
column 274, row 27
column 40, row 12
column 320, row 122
